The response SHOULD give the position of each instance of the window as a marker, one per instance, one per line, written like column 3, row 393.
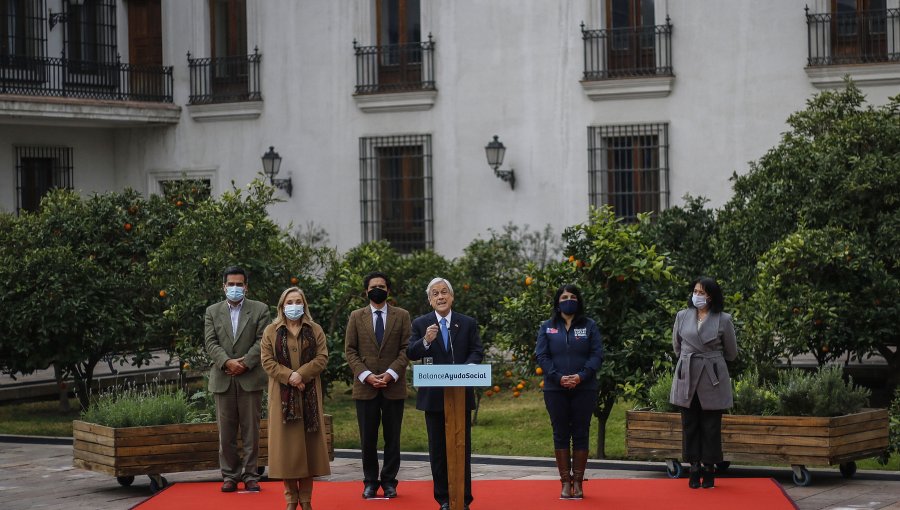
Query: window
column 22, row 35
column 38, row 170
column 859, row 30
column 399, row 36
column 90, row 35
column 395, row 191
column 628, row 168
column 632, row 30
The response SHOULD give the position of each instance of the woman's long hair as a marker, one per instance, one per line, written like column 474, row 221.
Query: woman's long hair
column 279, row 314
column 569, row 287
column 716, row 298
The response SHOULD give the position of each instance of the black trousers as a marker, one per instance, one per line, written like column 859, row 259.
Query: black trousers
column 370, row 414
column 701, row 434
column 437, row 456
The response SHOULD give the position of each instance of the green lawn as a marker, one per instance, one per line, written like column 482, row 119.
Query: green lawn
column 506, row 426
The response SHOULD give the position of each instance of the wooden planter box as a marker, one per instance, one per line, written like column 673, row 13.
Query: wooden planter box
column 126, row 452
column 796, row 440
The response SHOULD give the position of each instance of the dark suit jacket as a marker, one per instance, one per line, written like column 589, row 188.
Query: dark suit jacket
column 221, row 344
column 466, row 349
column 363, row 352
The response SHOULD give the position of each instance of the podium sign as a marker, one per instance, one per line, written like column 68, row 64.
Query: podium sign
column 454, row 379
column 430, row 376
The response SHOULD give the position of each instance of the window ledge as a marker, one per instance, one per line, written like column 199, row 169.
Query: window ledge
column 628, row 88
column 824, row 77
column 396, row 101
column 244, row 110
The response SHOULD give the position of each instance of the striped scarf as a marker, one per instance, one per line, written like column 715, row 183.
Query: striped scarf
column 296, row 404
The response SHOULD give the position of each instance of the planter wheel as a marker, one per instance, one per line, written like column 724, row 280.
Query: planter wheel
column 673, row 468
column 848, row 469
column 157, row 483
column 723, row 466
column 125, row 481
column 802, row 476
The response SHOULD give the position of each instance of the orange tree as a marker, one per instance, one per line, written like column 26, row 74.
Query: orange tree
column 209, row 235
column 627, row 288
column 74, row 279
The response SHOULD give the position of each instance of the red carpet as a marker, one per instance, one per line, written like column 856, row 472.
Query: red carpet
column 608, row 494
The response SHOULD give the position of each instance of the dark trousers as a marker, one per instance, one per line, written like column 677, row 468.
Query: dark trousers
column 570, row 416
column 238, row 413
column 370, row 414
column 701, row 434
column 437, row 456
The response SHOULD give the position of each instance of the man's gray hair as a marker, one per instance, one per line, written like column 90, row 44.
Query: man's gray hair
column 436, row 281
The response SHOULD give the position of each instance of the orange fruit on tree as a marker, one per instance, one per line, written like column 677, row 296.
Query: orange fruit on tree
column 294, row 280
column 489, row 393
column 571, row 258
column 496, row 389
column 529, row 280
column 520, row 386
column 542, row 384
column 127, row 227
column 516, row 394
column 539, row 371
column 179, row 203
column 162, row 293
column 508, row 373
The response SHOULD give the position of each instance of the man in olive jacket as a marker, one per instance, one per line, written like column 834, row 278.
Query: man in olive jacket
column 375, row 347
column 232, row 329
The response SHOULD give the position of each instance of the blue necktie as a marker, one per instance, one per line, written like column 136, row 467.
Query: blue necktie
column 379, row 327
column 445, row 333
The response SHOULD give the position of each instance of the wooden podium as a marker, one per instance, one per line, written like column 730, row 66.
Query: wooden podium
column 454, row 379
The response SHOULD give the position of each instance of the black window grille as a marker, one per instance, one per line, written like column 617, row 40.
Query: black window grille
column 38, row 170
column 225, row 79
column 854, row 33
column 630, row 45
column 395, row 67
column 90, row 38
column 23, row 34
column 396, row 191
column 628, row 168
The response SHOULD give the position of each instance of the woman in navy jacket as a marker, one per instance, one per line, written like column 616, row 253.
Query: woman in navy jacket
column 569, row 351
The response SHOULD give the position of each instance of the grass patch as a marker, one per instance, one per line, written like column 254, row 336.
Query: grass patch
column 38, row 418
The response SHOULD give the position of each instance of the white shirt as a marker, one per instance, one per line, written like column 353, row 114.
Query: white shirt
column 440, row 335
column 235, row 316
column 384, row 312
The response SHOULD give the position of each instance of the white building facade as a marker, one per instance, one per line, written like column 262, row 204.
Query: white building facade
column 380, row 110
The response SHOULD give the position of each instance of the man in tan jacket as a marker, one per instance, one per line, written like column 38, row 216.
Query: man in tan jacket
column 375, row 348
column 232, row 329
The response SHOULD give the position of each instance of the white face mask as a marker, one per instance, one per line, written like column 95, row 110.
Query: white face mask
column 699, row 301
column 234, row 293
column 293, row 312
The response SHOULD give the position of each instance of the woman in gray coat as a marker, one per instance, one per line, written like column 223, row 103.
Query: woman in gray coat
column 703, row 339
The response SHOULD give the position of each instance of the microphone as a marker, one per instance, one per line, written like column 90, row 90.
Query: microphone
column 450, row 343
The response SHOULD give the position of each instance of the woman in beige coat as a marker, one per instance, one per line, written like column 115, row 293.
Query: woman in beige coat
column 294, row 353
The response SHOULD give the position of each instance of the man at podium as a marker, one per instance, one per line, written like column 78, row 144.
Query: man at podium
column 444, row 337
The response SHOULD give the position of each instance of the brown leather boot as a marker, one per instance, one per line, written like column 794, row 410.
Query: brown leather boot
column 579, row 463
column 563, row 464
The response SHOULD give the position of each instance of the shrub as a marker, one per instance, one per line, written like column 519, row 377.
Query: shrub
column 752, row 397
column 658, row 394
column 894, row 429
column 823, row 393
column 131, row 406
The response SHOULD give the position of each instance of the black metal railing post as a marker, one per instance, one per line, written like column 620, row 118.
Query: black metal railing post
column 63, row 77
column 860, row 37
column 627, row 52
column 395, row 67
column 225, row 79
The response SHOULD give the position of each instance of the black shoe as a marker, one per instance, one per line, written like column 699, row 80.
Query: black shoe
column 390, row 491
column 370, row 492
column 229, row 486
column 694, row 480
column 709, row 477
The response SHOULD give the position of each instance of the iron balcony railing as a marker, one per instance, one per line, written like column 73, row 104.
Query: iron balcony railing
column 61, row 77
column 225, row 79
column 395, row 67
column 627, row 52
column 862, row 37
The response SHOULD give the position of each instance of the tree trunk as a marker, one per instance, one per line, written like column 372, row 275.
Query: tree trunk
column 603, row 412
column 64, row 406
